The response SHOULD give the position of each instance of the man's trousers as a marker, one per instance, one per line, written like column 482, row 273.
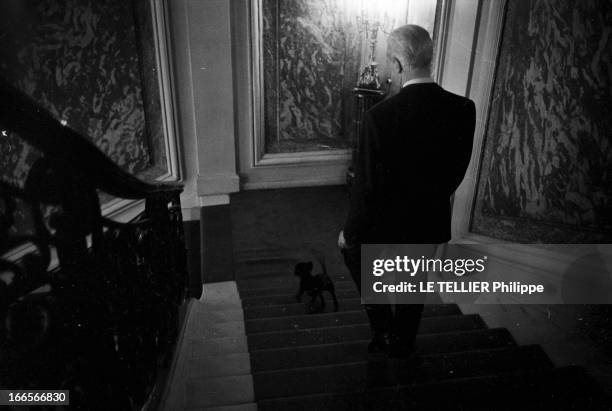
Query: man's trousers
column 399, row 321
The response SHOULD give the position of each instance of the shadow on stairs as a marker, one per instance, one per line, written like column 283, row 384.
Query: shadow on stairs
column 305, row 361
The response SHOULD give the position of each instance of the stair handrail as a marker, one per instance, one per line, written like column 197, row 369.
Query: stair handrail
column 102, row 323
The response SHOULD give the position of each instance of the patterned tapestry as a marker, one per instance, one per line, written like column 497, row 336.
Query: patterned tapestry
column 85, row 61
column 546, row 174
column 313, row 51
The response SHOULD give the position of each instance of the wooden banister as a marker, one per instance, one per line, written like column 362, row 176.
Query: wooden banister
column 102, row 323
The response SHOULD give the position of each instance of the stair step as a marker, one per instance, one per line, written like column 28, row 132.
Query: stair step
column 278, row 279
column 306, row 321
column 339, row 285
column 314, row 355
column 220, row 365
column 337, row 334
column 251, row 406
column 199, row 347
column 219, row 391
column 363, row 375
column 290, row 298
column 349, row 304
column 267, row 259
column 267, row 270
column 265, row 252
column 562, row 388
column 272, row 265
column 295, row 308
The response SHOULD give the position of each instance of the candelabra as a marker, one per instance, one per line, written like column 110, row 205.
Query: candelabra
column 369, row 89
column 369, row 78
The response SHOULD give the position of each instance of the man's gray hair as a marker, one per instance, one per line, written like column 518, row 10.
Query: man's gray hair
column 413, row 46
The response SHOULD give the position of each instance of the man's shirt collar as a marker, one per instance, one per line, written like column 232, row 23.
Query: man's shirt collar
column 420, row 80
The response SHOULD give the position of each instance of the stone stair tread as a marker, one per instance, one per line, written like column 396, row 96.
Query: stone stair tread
column 278, row 279
column 433, row 368
column 347, row 305
column 290, row 298
column 325, row 354
column 325, row 335
column 306, row 321
column 220, row 365
column 218, row 391
column 267, row 260
column 255, row 253
column 295, row 308
column 371, row 374
column 560, row 388
column 248, row 406
column 344, row 284
column 264, row 273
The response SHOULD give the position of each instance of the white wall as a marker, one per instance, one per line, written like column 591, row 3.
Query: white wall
column 201, row 43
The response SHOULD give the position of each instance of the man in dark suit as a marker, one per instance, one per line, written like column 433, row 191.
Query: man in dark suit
column 413, row 154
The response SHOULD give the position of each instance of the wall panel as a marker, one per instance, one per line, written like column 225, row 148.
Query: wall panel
column 546, row 173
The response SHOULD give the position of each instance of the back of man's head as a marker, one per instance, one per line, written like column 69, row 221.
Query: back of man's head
column 413, row 47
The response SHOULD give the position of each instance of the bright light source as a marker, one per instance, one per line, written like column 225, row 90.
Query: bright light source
column 392, row 13
column 377, row 11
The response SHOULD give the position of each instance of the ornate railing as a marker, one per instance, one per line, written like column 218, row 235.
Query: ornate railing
column 92, row 305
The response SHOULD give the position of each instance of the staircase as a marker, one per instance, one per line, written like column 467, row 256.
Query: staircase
column 304, row 361
column 276, row 356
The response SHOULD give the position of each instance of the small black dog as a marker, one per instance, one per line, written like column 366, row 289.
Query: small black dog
column 314, row 285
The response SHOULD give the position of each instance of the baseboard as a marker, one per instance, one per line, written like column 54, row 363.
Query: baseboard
column 295, row 183
column 295, row 175
column 217, row 184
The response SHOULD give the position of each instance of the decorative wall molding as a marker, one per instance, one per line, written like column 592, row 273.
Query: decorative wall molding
column 296, row 175
column 483, row 72
column 323, row 180
column 441, row 33
column 124, row 210
column 214, row 200
column 163, row 49
column 339, row 156
column 260, row 170
column 208, row 30
column 215, row 184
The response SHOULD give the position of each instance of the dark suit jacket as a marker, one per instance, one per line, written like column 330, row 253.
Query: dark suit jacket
column 412, row 156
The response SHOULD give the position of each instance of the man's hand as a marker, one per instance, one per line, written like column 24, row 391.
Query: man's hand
column 342, row 244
